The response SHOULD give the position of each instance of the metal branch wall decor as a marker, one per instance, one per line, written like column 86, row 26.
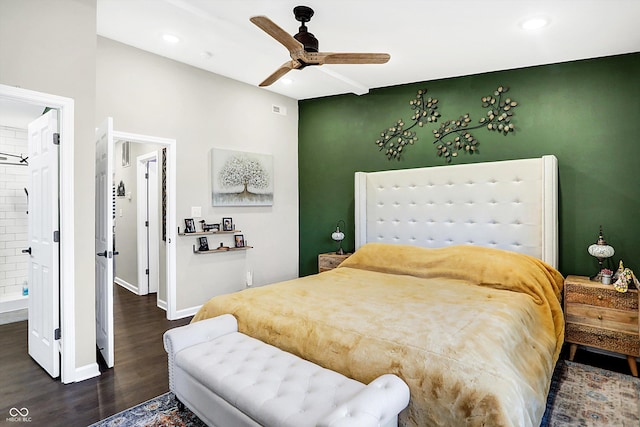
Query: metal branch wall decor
column 452, row 136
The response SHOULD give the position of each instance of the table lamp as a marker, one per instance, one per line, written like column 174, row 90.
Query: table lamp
column 601, row 251
column 338, row 236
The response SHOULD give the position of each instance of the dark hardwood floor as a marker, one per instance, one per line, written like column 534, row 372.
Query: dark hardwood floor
column 139, row 374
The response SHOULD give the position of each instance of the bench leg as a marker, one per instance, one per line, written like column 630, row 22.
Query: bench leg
column 180, row 405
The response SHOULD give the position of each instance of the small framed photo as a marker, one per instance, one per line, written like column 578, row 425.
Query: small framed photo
column 227, row 224
column 189, row 225
column 239, row 240
column 203, row 244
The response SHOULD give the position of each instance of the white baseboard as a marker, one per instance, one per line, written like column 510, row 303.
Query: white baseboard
column 186, row 312
column 128, row 286
column 87, row 371
column 162, row 304
column 14, row 303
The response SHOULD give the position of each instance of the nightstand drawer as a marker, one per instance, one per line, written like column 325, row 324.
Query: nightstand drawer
column 330, row 260
column 600, row 296
column 605, row 339
column 599, row 317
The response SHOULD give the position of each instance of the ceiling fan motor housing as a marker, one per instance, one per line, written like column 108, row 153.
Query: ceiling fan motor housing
column 309, row 41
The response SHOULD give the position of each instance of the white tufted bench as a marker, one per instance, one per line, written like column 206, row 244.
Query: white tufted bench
column 230, row 379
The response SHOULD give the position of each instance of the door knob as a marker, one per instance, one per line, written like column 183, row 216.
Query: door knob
column 26, row 251
column 104, row 254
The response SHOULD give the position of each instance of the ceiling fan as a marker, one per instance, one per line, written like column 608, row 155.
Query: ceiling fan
column 303, row 47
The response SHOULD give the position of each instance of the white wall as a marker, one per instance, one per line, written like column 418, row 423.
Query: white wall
column 151, row 95
column 50, row 46
column 13, row 215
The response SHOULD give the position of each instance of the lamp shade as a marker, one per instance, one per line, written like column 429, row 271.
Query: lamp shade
column 601, row 251
column 337, row 235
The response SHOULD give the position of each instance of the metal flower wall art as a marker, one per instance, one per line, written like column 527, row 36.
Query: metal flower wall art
column 453, row 136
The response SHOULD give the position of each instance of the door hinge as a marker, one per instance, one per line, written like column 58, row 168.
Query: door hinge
column 146, row 223
column 146, row 175
column 146, row 271
column 56, row 236
column 57, row 334
column 56, row 138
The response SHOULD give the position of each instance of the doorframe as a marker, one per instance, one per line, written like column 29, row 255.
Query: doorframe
column 171, row 146
column 65, row 107
column 143, row 233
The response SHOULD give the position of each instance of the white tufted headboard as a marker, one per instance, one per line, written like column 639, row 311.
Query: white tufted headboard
column 510, row 205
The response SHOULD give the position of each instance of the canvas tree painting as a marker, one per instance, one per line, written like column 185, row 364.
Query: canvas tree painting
column 241, row 179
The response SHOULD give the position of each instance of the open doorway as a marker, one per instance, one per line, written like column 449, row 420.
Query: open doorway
column 139, row 240
column 106, row 212
column 57, row 311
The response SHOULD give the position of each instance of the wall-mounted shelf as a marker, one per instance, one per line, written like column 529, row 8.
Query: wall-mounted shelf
column 203, row 233
column 226, row 249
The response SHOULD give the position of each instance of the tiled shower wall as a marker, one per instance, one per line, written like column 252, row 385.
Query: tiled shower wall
column 13, row 215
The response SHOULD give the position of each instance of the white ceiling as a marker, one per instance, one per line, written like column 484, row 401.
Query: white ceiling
column 427, row 39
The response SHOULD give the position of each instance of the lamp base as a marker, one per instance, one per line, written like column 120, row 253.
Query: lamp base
column 596, row 277
column 340, row 252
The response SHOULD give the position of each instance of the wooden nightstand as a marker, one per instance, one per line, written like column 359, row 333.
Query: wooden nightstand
column 598, row 316
column 330, row 260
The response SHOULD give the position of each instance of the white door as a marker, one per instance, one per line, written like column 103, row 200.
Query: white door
column 148, row 223
column 44, row 249
column 104, row 241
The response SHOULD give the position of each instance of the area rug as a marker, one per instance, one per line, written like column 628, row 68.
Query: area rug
column 580, row 396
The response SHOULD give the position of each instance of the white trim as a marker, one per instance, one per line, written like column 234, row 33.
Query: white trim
column 171, row 146
column 87, row 371
column 160, row 303
column 128, row 286
column 144, row 251
column 67, row 217
column 187, row 312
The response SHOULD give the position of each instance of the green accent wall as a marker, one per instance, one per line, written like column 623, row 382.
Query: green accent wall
column 586, row 113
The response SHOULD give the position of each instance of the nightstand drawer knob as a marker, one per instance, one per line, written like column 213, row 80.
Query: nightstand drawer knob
column 599, row 316
column 599, row 297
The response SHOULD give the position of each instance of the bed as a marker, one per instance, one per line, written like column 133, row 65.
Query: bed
column 453, row 287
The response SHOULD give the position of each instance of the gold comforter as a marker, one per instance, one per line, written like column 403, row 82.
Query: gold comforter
column 474, row 332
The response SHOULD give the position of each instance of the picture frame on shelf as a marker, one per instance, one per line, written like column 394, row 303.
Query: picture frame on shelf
column 203, row 244
column 189, row 225
column 239, row 238
column 227, row 224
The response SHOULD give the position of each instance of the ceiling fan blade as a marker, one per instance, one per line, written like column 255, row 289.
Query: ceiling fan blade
column 284, row 69
column 271, row 28
column 353, row 58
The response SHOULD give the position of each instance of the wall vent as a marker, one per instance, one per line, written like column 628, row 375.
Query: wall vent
column 277, row 109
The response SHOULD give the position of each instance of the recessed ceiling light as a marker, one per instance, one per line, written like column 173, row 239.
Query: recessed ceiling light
column 534, row 23
column 170, row 38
